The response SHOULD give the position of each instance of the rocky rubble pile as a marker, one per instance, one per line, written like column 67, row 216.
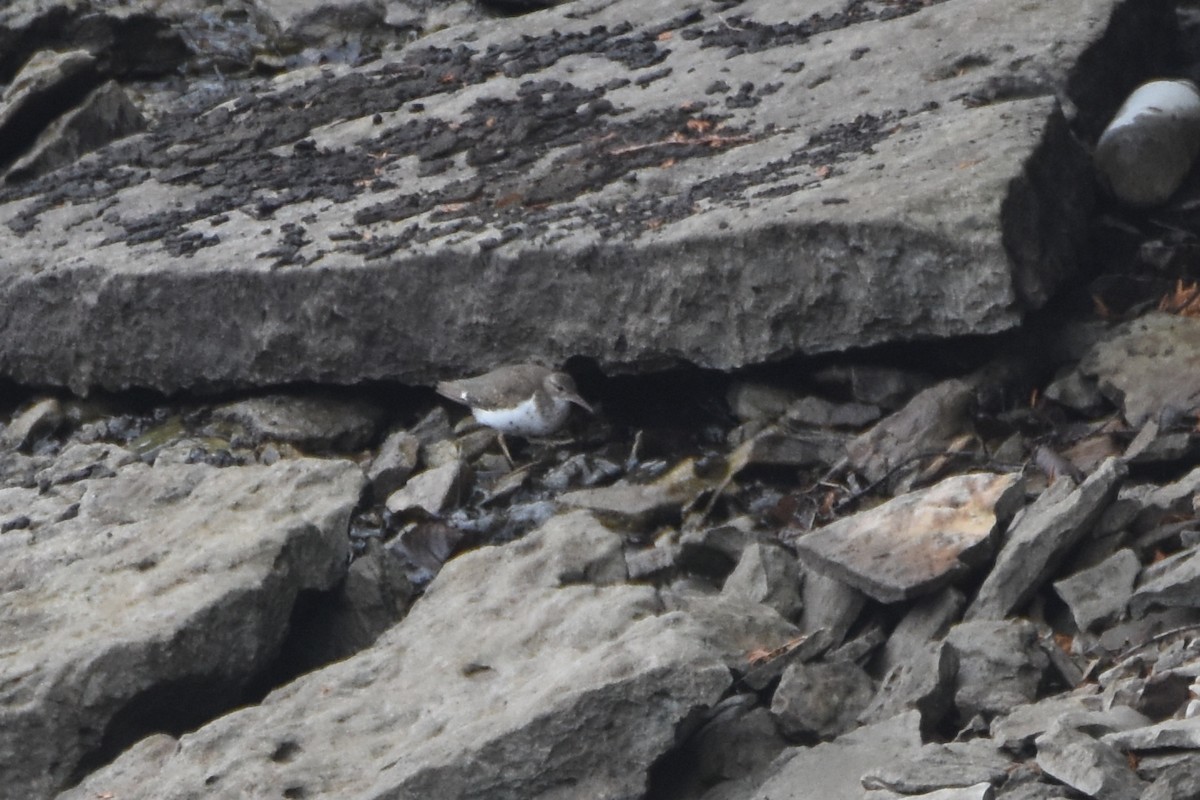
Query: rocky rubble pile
column 874, row 580
column 964, row 569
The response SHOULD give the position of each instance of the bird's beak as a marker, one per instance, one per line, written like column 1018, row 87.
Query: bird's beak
column 579, row 401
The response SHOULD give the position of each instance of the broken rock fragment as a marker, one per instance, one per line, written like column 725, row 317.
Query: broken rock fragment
column 1041, row 537
column 834, row 770
column 1149, row 365
column 927, row 424
column 915, row 543
column 821, row 698
column 1100, row 594
column 171, row 582
column 1087, row 765
column 495, row 685
column 1000, row 665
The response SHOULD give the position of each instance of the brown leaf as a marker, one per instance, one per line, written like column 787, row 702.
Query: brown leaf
column 1184, row 301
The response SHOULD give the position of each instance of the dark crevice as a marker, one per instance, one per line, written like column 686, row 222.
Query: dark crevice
column 318, row 634
column 138, row 46
column 42, row 109
column 173, row 707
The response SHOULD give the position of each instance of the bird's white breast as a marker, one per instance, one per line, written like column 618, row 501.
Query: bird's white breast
column 524, row 420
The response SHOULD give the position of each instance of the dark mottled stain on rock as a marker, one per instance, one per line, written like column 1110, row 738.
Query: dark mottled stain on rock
column 741, row 35
column 257, row 151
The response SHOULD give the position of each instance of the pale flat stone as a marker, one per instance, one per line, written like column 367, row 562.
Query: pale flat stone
column 495, row 685
column 177, row 582
column 834, row 770
column 1148, row 365
column 918, row 542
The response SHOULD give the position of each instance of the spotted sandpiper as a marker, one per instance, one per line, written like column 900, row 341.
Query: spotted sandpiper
column 520, row 399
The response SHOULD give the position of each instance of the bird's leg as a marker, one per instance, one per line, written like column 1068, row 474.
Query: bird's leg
column 504, row 447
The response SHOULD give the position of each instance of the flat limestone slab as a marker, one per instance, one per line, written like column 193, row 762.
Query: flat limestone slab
column 637, row 181
column 159, row 592
column 509, row 679
column 918, row 542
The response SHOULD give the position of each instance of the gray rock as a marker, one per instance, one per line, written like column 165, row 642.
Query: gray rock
column 1077, row 392
column 1000, row 665
column 1099, row 595
column 978, row 791
column 1036, row 790
column 918, row 542
column 1082, row 710
column 1171, row 583
column 737, row 738
column 834, row 770
column 40, row 419
column 1151, row 446
column 713, row 551
column 942, row 766
column 924, row 681
column 39, row 76
column 821, row 413
column 105, row 115
column 1139, row 630
column 1181, row 733
column 1161, row 694
column 878, row 385
column 1178, row 783
column 767, row 574
column 641, row 506
column 742, row 633
column 926, row 622
column 758, row 402
column 829, row 605
column 432, row 491
column 1156, row 503
column 494, row 685
column 396, row 460
column 434, row 427
column 644, row 562
column 375, row 595
column 79, row 461
column 926, row 424
column 171, row 583
column 775, row 447
column 1041, row 537
column 314, row 422
column 1087, row 765
column 821, row 698
column 1148, row 365
column 910, row 213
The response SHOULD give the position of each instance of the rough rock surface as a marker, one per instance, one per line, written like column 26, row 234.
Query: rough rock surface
column 918, row 542
column 500, row 662
column 1038, row 541
column 424, row 186
column 159, row 591
column 1148, row 365
column 407, row 219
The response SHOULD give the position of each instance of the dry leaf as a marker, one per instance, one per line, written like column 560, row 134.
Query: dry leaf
column 1184, row 301
column 761, row 655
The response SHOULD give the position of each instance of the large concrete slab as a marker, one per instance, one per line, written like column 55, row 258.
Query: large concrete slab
column 636, row 181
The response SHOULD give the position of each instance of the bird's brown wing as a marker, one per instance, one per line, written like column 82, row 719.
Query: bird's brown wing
column 494, row 388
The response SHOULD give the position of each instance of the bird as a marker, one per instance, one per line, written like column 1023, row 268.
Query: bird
column 525, row 400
